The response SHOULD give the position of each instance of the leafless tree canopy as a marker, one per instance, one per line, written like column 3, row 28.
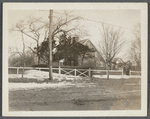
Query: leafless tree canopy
column 111, row 43
column 35, row 28
column 67, row 23
column 135, row 52
column 31, row 28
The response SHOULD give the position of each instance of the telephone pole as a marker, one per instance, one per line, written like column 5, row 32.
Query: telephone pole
column 50, row 44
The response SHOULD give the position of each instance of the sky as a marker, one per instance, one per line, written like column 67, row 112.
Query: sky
column 123, row 19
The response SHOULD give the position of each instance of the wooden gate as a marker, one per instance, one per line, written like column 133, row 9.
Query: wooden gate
column 75, row 72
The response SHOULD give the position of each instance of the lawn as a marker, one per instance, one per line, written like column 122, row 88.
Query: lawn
column 94, row 94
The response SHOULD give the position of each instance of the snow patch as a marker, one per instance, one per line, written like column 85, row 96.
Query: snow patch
column 41, row 75
column 27, row 86
column 116, row 76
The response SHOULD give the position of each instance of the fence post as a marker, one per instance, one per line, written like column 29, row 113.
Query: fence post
column 130, row 73
column 122, row 71
column 59, row 70
column 75, row 72
column 89, row 72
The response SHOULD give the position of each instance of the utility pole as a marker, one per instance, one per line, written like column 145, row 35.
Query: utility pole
column 50, row 44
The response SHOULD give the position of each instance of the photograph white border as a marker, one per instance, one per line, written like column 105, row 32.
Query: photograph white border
column 78, row 6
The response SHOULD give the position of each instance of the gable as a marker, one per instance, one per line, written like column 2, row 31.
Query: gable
column 88, row 43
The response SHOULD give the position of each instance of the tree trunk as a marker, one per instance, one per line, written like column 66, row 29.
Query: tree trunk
column 107, row 71
column 23, row 70
column 38, row 55
column 38, row 60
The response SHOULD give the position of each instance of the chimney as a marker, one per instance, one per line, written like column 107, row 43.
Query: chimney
column 76, row 38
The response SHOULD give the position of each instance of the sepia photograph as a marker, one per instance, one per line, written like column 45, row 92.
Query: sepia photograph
column 75, row 59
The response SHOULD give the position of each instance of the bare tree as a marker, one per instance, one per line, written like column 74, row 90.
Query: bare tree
column 110, row 45
column 135, row 51
column 22, row 55
column 67, row 23
column 31, row 28
column 35, row 28
column 64, row 23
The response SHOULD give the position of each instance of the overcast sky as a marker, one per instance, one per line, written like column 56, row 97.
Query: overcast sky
column 125, row 19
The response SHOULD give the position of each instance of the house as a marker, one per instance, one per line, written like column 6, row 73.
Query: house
column 95, row 60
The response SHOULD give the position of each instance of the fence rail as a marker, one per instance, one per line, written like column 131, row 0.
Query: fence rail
column 74, row 72
column 67, row 71
column 134, row 73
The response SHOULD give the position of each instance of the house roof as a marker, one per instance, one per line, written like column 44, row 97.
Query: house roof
column 89, row 43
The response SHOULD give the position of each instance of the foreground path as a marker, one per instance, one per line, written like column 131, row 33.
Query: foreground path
column 86, row 95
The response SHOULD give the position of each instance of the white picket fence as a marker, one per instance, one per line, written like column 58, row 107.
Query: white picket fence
column 71, row 72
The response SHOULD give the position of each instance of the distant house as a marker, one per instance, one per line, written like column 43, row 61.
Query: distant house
column 117, row 63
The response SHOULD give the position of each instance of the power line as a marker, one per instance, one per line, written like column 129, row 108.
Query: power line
column 98, row 22
column 108, row 24
column 48, row 11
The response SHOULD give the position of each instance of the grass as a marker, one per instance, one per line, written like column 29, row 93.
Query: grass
column 94, row 94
